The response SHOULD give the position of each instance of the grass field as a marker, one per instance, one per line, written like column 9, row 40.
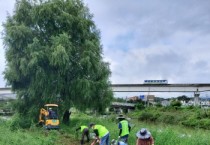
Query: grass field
column 163, row 134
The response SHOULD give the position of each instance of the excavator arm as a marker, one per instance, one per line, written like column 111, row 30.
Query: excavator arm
column 47, row 117
column 43, row 113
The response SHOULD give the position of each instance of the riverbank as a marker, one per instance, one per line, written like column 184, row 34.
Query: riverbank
column 163, row 134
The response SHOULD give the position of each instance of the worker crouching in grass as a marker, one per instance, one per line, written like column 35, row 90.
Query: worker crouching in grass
column 85, row 132
column 124, row 129
column 102, row 134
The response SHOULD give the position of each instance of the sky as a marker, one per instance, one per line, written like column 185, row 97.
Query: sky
column 148, row 39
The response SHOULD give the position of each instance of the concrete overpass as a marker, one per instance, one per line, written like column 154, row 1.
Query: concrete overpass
column 118, row 106
column 5, row 91
column 196, row 88
column 160, row 87
column 149, row 88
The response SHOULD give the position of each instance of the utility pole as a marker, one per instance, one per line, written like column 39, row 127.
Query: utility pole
column 196, row 98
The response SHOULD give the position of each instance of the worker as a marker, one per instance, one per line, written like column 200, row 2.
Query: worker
column 85, row 132
column 66, row 117
column 144, row 137
column 102, row 134
column 52, row 114
column 124, row 129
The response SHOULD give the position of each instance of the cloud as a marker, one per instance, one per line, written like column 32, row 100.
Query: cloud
column 152, row 39
column 5, row 9
column 156, row 39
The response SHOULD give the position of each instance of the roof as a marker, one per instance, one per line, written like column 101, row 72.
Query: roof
column 49, row 105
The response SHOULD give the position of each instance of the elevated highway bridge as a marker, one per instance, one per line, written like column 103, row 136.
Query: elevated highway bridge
column 147, row 88
column 160, row 87
column 196, row 88
column 5, row 91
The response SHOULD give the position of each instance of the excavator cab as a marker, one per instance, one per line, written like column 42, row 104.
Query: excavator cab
column 48, row 116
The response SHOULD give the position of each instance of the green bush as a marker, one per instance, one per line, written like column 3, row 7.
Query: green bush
column 159, row 105
column 148, row 116
column 204, row 123
column 19, row 122
column 140, row 106
column 163, row 134
column 176, row 104
column 169, row 119
column 191, row 122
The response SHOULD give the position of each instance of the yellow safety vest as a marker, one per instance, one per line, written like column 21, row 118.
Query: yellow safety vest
column 83, row 127
column 102, row 131
column 125, row 129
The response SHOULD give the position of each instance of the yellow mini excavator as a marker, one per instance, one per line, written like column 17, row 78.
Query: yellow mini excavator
column 48, row 116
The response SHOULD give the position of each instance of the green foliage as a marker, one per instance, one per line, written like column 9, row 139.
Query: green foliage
column 18, row 122
column 140, row 106
column 176, row 104
column 148, row 116
column 119, row 100
column 163, row 134
column 158, row 104
column 32, row 136
column 190, row 117
column 190, row 107
column 6, row 106
column 179, row 136
column 190, row 122
column 54, row 55
column 199, row 119
column 183, row 98
column 168, row 119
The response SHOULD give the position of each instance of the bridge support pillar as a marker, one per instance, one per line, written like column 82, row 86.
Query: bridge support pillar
column 196, row 98
column 129, row 110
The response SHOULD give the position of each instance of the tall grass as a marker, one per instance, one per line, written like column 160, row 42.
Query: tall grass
column 163, row 134
column 32, row 136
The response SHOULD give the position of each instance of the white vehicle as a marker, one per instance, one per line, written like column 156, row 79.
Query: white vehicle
column 155, row 82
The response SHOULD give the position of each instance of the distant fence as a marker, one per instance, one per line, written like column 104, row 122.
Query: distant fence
column 6, row 112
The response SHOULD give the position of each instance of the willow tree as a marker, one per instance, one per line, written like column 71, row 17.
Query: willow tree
column 54, row 55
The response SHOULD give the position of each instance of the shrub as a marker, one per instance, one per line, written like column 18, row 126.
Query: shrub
column 190, row 107
column 191, row 122
column 159, row 105
column 176, row 104
column 204, row 123
column 140, row 106
column 18, row 122
column 170, row 119
column 147, row 116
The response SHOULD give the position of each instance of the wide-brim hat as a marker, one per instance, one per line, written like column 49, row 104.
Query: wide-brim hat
column 121, row 116
column 143, row 134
